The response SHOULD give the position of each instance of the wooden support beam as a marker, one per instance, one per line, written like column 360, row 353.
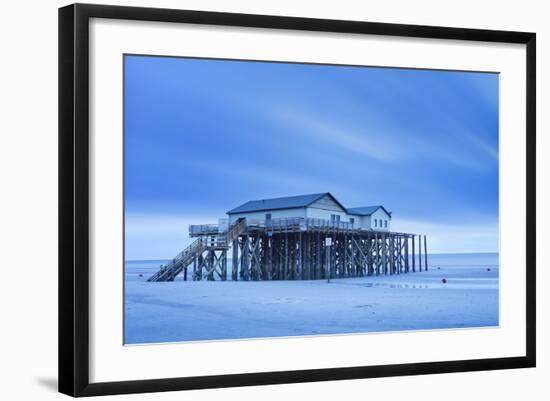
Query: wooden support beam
column 224, row 265
column 406, row 238
column 384, row 255
column 425, row 255
column 419, row 253
column 269, row 244
column 378, row 258
column 275, row 254
column 317, row 265
column 199, row 267
column 235, row 260
column 210, row 265
column 399, row 255
column 285, row 261
column 392, row 254
column 413, row 255
column 255, row 258
column 299, row 252
column 345, row 267
column 310, row 255
column 245, row 259
column 195, row 267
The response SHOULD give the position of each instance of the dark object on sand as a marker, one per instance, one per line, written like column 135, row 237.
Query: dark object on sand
column 444, row 281
column 438, row 267
column 488, row 269
column 140, row 275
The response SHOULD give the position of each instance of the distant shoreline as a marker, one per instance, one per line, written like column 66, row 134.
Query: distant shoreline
column 429, row 254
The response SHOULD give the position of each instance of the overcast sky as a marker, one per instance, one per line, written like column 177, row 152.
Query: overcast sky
column 203, row 136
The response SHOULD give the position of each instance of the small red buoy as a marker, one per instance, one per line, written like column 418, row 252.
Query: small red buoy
column 444, row 281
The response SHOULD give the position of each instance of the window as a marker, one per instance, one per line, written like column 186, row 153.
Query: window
column 376, row 222
column 268, row 217
column 386, row 223
column 351, row 221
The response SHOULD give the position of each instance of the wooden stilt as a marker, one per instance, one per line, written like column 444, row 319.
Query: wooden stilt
column 406, row 238
column 419, row 253
column 384, row 255
column 235, row 260
column 286, row 264
column 397, row 254
column 269, row 258
column 413, row 255
column 199, row 267
column 245, row 259
column 392, row 255
column 195, row 268
column 425, row 255
column 299, row 256
column 224, row 265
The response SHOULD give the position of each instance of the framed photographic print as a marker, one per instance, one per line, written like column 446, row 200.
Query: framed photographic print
column 251, row 199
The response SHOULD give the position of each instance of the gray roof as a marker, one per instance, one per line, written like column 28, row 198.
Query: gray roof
column 366, row 210
column 288, row 202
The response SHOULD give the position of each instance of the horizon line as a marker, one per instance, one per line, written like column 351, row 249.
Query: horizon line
column 429, row 253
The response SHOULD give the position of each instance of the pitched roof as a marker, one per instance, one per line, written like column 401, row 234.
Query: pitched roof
column 366, row 210
column 287, row 202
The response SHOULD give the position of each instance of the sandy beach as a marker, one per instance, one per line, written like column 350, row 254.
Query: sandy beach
column 191, row 311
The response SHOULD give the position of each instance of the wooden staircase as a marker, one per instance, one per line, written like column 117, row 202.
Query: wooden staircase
column 169, row 271
column 235, row 230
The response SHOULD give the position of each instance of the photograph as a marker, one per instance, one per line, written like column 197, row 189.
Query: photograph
column 269, row 199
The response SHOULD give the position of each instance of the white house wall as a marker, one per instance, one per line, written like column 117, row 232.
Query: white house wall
column 361, row 221
column 324, row 208
column 275, row 214
column 325, row 214
column 327, row 203
column 380, row 214
column 357, row 220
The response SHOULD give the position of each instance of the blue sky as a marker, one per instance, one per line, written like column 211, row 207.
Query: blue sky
column 203, row 136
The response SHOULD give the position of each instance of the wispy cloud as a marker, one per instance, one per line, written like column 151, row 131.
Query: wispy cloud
column 339, row 134
column 385, row 140
column 255, row 174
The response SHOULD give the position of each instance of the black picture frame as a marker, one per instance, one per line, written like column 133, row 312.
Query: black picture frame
column 74, row 201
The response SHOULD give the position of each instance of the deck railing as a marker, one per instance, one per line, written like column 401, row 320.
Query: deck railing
column 305, row 223
column 322, row 223
column 277, row 224
column 203, row 229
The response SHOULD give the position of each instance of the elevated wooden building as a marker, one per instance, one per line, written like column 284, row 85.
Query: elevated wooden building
column 303, row 237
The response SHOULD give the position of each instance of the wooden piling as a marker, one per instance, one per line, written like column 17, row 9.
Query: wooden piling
column 235, row 259
column 406, row 254
column 384, row 256
column 392, row 255
column 425, row 255
column 399, row 255
column 419, row 253
column 413, row 255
